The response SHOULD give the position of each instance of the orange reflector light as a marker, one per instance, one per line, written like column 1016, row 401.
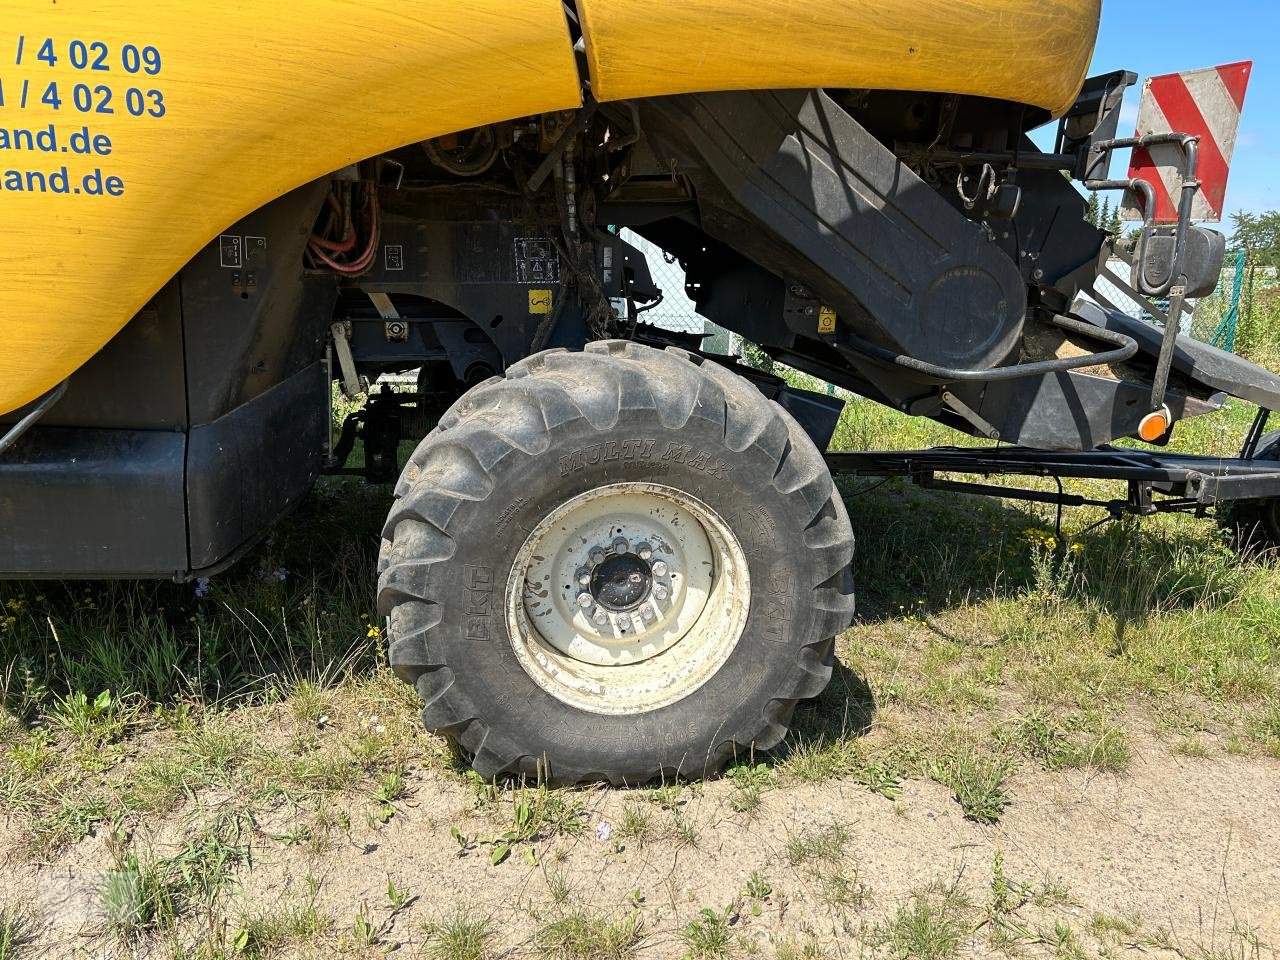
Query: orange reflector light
column 1155, row 425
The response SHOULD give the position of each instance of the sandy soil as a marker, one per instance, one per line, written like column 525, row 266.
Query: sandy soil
column 1188, row 847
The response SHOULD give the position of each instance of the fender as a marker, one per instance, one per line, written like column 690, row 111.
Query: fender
column 133, row 132
column 155, row 124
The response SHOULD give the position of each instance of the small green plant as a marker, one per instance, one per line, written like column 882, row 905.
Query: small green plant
column 463, row 935
column 977, row 781
column 930, row 926
column 636, row 824
column 100, row 720
column 826, row 845
column 709, row 936
column 17, row 931
column 270, row 932
column 585, row 936
column 364, row 932
column 398, row 898
column 136, row 899
column 758, row 886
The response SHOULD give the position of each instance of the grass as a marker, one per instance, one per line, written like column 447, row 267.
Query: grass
column 986, row 644
column 709, row 936
column 581, row 935
column 17, row 932
column 932, row 925
column 463, row 935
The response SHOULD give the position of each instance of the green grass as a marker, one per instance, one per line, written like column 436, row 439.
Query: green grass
column 587, row 936
column 17, row 932
column 984, row 650
column 932, row 925
column 463, row 935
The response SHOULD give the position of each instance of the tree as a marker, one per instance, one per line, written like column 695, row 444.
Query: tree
column 1091, row 212
column 1115, row 226
column 1259, row 236
column 1104, row 218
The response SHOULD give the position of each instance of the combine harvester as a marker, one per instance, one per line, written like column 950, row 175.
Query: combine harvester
column 616, row 556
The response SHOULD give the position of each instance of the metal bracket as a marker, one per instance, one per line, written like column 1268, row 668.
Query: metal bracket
column 28, row 421
column 984, row 427
column 351, row 384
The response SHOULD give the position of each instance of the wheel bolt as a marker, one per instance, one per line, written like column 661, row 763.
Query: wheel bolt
column 585, row 600
column 601, row 617
column 660, row 592
column 647, row 613
column 620, row 546
column 597, row 556
column 584, row 577
column 660, row 568
column 644, row 551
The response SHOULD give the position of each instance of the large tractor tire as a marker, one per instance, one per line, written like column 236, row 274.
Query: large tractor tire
column 615, row 565
column 1255, row 524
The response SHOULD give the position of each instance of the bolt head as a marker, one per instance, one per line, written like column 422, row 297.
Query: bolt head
column 647, row 613
column 601, row 617
column 585, row 600
column 621, row 546
column 644, row 551
column 660, row 592
column 597, row 556
column 660, row 568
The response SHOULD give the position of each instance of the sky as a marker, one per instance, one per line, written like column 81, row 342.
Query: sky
column 1169, row 36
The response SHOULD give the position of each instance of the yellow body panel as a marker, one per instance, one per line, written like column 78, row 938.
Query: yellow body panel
column 257, row 96
column 1028, row 51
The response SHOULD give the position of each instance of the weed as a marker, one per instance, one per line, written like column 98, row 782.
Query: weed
column 977, row 781
column 817, row 846
column 585, row 936
column 290, row 925
column 758, row 886
column 636, row 824
column 98, row 721
column 17, row 931
column 810, row 949
column 463, row 935
column 930, row 926
column 709, row 936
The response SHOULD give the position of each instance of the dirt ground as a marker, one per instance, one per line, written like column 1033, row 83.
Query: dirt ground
column 1185, row 852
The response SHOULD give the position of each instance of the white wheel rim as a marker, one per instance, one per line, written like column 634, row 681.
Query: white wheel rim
column 628, row 598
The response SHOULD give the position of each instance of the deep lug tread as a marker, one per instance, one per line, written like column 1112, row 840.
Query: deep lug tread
column 512, row 416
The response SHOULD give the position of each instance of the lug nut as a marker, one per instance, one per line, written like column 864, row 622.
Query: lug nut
column 601, row 617
column 584, row 577
column 597, row 556
column 585, row 600
column 660, row 568
column 647, row 613
column 644, row 551
column 660, row 592
column 621, row 546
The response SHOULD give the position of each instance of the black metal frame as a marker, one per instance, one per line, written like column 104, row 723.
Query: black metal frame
column 1159, row 482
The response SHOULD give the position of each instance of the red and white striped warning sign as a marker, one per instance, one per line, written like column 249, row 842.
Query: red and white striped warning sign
column 1206, row 103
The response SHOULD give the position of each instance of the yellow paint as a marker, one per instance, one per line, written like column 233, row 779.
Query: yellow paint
column 1028, row 51
column 540, row 301
column 826, row 320
column 259, row 98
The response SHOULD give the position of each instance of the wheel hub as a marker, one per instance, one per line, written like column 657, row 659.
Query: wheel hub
column 632, row 587
column 621, row 582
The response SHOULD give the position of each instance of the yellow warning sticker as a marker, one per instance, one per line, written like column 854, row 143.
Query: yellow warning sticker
column 539, row 301
column 826, row 320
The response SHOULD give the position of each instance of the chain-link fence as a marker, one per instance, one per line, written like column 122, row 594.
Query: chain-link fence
column 676, row 312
